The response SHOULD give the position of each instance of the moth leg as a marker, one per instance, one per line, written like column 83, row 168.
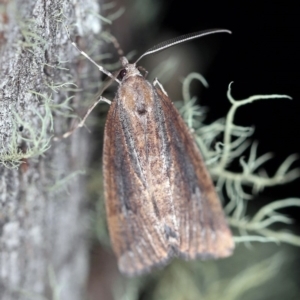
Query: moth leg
column 81, row 123
column 156, row 82
column 143, row 70
column 104, row 100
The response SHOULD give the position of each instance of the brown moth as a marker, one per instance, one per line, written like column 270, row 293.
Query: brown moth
column 160, row 199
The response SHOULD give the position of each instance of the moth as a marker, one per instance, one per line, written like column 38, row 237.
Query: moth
column 160, row 200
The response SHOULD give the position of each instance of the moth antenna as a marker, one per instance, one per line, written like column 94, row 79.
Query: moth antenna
column 181, row 39
column 101, row 69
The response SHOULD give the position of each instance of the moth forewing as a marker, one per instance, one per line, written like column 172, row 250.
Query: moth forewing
column 130, row 153
column 203, row 228
column 160, row 199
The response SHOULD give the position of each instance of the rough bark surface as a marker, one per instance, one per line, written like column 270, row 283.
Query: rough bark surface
column 43, row 215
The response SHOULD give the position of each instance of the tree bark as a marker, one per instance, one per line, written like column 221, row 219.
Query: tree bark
column 43, row 211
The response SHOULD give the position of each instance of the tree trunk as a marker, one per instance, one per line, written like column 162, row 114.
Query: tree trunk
column 43, row 211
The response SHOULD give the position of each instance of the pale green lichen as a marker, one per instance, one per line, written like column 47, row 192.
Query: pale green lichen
column 235, row 142
column 100, row 17
column 34, row 140
column 37, row 139
column 63, row 182
column 67, row 86
column 263, row 219
column 32, row 39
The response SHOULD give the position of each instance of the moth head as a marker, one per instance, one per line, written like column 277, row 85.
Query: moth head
column 128, row 69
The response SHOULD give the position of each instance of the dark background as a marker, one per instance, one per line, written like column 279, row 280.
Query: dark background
column 261, row 57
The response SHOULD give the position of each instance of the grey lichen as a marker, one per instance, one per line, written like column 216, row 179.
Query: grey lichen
column 36, row 138
column 235, row 140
